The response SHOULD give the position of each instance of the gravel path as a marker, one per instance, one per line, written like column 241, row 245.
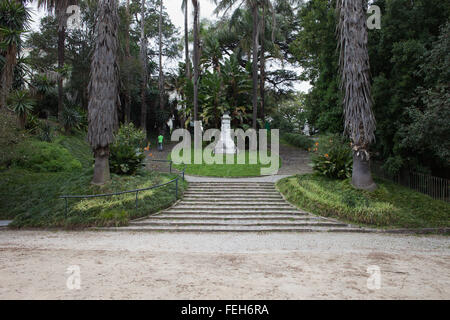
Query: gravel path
column 125, row 265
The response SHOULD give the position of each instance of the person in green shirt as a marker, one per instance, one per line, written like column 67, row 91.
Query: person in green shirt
column 160, row 142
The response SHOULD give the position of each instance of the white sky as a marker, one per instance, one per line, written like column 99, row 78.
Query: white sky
column 173, row 8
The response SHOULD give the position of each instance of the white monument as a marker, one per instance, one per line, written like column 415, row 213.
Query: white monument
column 226, row 144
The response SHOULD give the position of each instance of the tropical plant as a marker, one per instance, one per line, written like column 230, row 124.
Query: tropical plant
column 127, row 150
column 104, row 89
column 332, row 157
column 14, row 20
column 70, row 119
column 22, row 104
column 359, row 120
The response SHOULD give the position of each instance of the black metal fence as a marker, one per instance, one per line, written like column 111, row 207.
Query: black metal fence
column 136, row 191
column 435, row 187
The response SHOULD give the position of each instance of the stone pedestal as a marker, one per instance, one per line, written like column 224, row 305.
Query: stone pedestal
column 226, row 144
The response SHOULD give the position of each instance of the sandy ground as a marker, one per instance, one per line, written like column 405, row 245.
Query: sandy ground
column 119, row 265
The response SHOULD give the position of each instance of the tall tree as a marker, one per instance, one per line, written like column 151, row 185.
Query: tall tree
column 161, row 73
column 104, row 88
column 144, row 70
column 184, row 7
column 196, row 6
column 14, row 19
column 128, row 59
column 60, row 9
column 354, row 67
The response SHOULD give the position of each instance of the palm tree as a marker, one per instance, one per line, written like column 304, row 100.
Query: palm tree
column 144, row 69
column 355, row 83
column 128, row 59
column 225, row 5
column 184, row 7
column 104, row 88
column 14, row 20
column 161, row 74
column 60, row 9
column 196, row 5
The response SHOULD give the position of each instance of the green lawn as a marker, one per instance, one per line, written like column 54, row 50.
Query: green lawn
column 31, row 198
column 390, row 205
column 225, row 170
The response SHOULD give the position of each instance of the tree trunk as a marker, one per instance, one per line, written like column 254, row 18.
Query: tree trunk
column 186, row 42
column 255, row 66
column 8, row 74
column 362, row 177
column 61, row 41
column 144, row 70
column 161, row 74
column 101, row 167
column 196, row 58
column 128, row 59
column 262, row 66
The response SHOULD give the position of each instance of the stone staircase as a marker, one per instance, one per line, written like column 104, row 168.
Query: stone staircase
column 235, row 207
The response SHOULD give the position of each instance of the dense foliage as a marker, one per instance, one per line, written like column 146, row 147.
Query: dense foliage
column 127, row 150
column 409, row 57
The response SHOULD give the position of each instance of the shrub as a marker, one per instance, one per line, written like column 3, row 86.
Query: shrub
column 332, row 157
column 298, row 140
column 70, row 119
column 42, row 156
column 45, row 132
column 127, row 151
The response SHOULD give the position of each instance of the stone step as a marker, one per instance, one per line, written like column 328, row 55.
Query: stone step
column 248, row 223
column 233, row 229
column 175, row 210
column 244, row 184
column 213, row 206
column 233, row 203
column 226, row 188
column 231, row 198
column 237, row 217
column 231, row 193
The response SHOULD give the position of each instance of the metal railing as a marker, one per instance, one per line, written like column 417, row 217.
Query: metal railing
column 435, row 187
column 136, row 191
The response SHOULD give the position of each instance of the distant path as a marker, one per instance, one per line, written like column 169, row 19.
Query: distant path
column 294, row 161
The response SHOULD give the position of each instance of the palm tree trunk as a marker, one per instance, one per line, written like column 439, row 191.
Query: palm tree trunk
column 262, row 66
column 104, row 89
column 161, row 74
column 144, row 70
column 101, row 166
column 196, row 56
column 128, row 59
column 61, row 41
column 186, row 41
column 359, row 121
column 8, row 74
column 255, row 65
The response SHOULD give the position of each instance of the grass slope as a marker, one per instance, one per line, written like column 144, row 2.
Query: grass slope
column 225, row 170
column 32, row 198
column 390, row 205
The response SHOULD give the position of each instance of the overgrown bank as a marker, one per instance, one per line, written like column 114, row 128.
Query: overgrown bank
column 390, row 205
column 32, row 183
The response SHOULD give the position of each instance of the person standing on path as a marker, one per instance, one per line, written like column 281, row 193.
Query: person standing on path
column 160, row 142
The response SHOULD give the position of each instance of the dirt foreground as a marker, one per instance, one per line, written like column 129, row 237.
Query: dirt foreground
column 119, row 265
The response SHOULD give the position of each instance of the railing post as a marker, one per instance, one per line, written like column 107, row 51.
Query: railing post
column 67, row 208
column 176, row 189
column 136, row 200
column 170, row 166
